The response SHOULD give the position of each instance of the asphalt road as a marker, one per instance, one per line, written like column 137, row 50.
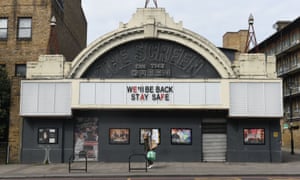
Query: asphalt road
column 176, row 178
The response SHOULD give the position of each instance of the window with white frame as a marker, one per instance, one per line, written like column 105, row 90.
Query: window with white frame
column 3, row 28
column 25, row 28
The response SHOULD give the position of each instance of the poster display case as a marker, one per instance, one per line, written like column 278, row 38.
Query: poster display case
column 119, row 136
column 181, row 136
column 254, row 136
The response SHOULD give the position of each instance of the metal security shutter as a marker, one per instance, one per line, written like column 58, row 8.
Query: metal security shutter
column 214, row 140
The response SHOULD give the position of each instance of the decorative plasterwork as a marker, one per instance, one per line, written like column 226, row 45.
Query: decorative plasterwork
column 145, row 25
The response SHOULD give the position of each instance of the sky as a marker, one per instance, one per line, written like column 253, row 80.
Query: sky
column 210, row 18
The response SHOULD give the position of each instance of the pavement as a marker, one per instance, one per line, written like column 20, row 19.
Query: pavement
column 290, row 166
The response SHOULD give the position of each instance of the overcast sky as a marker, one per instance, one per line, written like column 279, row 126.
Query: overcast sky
column 209, row 18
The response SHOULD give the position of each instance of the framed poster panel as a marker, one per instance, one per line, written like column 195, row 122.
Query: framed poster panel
column 254, row 136
column 47, row 136
column 119, row 136
column 86, row 138
column 154, row 132
column 181, row 136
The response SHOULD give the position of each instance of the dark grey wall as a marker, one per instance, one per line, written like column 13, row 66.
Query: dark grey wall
column 240, row 152
column 165, row 120
column 32, row 152
column 151, row 58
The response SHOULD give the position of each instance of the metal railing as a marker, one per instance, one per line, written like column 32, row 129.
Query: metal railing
column 287, row 69
column 144, row 156
column 72, row 160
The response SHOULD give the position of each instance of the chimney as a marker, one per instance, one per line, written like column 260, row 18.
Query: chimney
column 279, row 25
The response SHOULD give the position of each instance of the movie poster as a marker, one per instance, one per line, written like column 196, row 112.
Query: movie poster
column 254, row 136
column 154, row 132
column 86, row 139
column 181, row 136
column 119, row 136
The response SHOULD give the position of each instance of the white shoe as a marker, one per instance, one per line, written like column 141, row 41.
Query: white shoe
column 150, row 166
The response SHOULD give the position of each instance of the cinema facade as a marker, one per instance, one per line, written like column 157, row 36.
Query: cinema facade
column 200, row 103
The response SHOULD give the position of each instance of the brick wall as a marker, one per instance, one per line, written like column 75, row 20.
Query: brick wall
column 235, row 40
column 70, row 33
column 286, row 137
column 71, row 30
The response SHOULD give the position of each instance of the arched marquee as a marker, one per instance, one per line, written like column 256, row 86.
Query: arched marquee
column 151, row 49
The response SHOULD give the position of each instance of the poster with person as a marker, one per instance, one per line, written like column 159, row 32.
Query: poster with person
column 154, row 133
column 86, row 139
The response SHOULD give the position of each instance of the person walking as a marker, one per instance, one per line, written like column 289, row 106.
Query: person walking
column 148, row 146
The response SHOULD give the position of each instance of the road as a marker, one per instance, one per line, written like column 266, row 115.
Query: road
column 176, row 178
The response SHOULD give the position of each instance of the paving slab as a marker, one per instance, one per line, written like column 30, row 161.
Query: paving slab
column 289, row 167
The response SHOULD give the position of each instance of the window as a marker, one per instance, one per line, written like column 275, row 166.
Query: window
column 20, row 70
column 2, row 66
column 296, row 107
column 3, row 28
column 294, row 37
column 24, row 28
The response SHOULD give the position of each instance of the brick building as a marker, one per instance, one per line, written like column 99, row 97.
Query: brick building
column 235, row 40
column 285, row 44
column 25, row 34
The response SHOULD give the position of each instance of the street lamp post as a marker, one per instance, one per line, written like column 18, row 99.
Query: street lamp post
column 291, row 120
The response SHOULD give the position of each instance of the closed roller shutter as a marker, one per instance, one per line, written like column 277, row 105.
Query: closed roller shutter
column 214, row 140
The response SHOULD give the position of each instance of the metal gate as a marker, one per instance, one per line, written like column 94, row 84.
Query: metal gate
column 214, row 140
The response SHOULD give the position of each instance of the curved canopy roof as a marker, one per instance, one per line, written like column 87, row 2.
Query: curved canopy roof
column 155, row 31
